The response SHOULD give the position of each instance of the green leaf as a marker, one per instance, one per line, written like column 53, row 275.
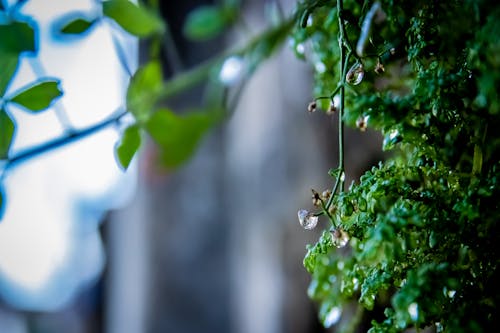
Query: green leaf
column 8, row 65
column 38, row 96
column 77, row 26
column 6, row 133
column 143, row 90
column 137, row 20
column 178, row 135
column 17, row 37
column 128, row 145
column 205, row 22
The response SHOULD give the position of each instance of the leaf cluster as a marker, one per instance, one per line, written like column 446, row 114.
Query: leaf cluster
column 423, row 224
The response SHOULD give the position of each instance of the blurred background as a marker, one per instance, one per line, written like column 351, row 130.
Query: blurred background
column 212, row 247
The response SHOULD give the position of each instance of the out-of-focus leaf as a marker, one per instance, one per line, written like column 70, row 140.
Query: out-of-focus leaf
column 264, row 47
column 8, row 66
column 6, row 133
column 38, row 96
column 128, row 146
column 137, row 20
column 143, row 89
column 178, row 135
column 205, row 22
column 17, row 37
column 76, row 26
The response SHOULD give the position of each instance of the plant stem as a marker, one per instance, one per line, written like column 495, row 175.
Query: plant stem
column 344, row 58
column 62, row 141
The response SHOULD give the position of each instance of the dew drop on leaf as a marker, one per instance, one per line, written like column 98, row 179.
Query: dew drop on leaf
column 355, row 74
column 307, row 219
column 300, row 49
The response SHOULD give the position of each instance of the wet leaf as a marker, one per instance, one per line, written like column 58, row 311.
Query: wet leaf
column 137, row 20
column 178, row 135
column 38, row 96
column 128, row 145
column 6, row 133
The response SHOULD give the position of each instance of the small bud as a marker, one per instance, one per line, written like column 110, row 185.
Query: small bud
column 332, row 210
column 312, row 106
column 316, row 199
column 340, row 237
column 331, row 109
column 326, row 195
column 392, row 51
column 379, row 68
column 361, row 123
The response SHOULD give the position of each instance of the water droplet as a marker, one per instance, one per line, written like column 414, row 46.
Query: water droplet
column 307, row 219
column 413, row 311
column 355, row 74
column 355, row 283
column 340, row 238
column 320, row 67
column 391, row 139
column 310, row 21
column 231, row 70
column 300, row 49
column 332, row 317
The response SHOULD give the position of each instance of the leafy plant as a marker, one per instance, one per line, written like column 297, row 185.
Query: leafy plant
column 412, row 243
column 422, row 226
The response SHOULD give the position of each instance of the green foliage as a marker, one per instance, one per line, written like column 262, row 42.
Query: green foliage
column 37, row 96
column 128, row 145
column 8, row 63
column 207, row 22
column 6, row 133
column 178, row 135
column 423, row 224
column 135, row 19
column 17, row 37
column 143, row 90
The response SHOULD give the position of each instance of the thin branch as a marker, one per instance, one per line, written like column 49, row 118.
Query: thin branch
column 62, row 141
column 171, row 51
column 344, row 59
